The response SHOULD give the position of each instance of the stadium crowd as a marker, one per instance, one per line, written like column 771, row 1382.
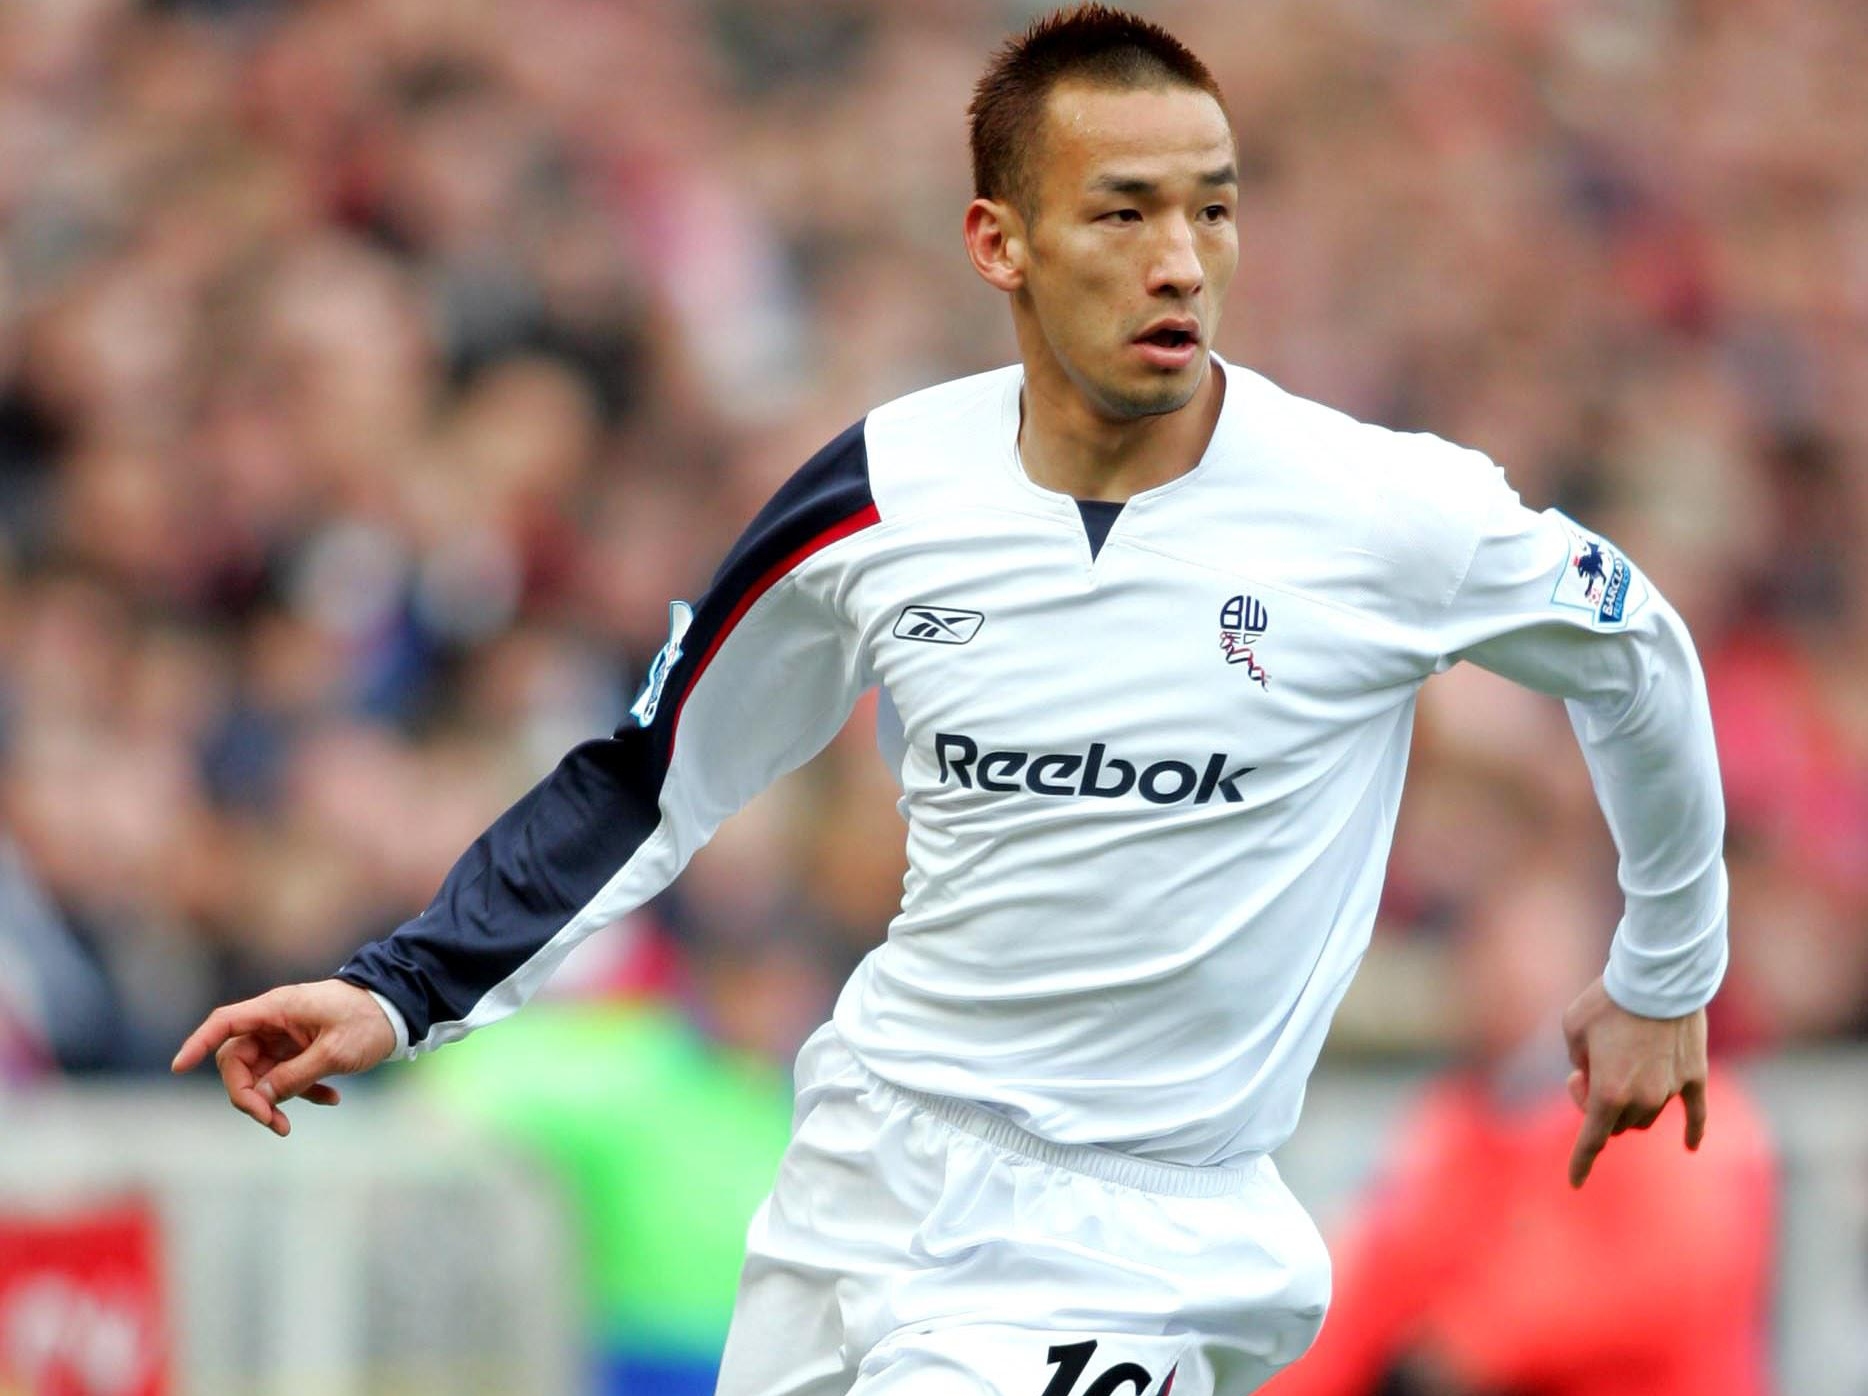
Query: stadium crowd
column 372, row 373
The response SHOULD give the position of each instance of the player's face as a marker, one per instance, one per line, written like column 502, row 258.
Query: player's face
column 1132, row 242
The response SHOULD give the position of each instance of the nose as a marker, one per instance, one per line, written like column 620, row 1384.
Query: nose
column 1176, row 269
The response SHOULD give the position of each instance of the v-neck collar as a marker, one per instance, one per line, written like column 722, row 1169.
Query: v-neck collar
column 1009, row 417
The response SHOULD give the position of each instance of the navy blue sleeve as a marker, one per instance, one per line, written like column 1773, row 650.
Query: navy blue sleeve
column 543, row 862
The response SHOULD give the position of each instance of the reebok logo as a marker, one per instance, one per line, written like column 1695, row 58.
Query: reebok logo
column 938, row 625
column 1094, row 773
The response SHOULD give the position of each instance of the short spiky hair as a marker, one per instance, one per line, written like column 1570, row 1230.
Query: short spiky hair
column 1091, row 43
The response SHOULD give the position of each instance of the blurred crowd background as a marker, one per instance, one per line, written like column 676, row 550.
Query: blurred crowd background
column 373, row 372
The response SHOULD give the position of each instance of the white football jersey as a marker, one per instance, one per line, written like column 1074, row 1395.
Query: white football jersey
column 1149, row 786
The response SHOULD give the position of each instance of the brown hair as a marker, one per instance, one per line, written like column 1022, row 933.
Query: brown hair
column 1091, row 43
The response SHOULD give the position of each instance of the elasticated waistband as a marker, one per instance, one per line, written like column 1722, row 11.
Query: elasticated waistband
column 1110, row 1165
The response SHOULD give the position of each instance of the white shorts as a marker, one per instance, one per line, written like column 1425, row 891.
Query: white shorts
column 920, row 1246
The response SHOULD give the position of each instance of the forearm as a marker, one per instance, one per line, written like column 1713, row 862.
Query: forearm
column 1620, row 656
column 1652, row 758
column 578, row 851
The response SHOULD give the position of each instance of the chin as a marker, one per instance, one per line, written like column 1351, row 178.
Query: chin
column 1165, row 394
column 1125, row 392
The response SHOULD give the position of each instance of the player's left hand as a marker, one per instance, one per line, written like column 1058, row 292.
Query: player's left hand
column 1626, row 1070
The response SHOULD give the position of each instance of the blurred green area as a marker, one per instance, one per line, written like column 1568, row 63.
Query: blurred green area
column 664, row 1143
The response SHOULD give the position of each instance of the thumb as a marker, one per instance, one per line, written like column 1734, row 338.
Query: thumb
column 296, row 1075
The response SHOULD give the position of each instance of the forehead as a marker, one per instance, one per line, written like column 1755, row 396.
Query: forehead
column 1150, row 132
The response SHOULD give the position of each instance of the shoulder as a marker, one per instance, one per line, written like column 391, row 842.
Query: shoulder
column 1415, row 469
column 943, row 443
column 977, row 400
column 932, row 421
column 1415, row 501
column 880, row 466
column 828, row 489
column 1434, row 496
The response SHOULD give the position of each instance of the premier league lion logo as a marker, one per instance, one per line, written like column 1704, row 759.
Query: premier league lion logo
column 1591, row 567
column 1594, row 577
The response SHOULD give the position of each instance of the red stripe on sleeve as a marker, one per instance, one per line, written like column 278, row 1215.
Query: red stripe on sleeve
column 855, row 523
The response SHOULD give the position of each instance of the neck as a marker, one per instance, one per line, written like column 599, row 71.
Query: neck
column 1067, row 445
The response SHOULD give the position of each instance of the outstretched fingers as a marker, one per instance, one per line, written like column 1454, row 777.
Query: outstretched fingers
column 281, row 1045
column 1604, row 1117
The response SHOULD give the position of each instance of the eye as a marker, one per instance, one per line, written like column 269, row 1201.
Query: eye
column 1216, row 213
column 1121, row 215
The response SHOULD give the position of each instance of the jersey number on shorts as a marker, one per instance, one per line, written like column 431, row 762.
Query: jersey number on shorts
column 1123, row 1379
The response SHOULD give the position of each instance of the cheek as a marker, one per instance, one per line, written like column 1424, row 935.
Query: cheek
column 1221, row 259
column 1075, row 291
column 1079, row 248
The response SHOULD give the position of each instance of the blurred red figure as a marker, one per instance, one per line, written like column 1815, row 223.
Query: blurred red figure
column 1472, row 1269
column 1476, row 1270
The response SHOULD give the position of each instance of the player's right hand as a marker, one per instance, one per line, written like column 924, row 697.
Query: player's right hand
column 282, row 1044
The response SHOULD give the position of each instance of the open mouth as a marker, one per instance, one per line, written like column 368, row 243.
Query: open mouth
column 1169, row 338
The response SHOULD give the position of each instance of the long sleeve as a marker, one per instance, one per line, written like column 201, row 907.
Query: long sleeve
column 1548, row 604
column 754, row 681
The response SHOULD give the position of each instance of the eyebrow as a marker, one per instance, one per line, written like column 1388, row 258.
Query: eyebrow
column 1137, row 187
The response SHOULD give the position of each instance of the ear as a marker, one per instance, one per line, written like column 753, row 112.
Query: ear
column 996, row 241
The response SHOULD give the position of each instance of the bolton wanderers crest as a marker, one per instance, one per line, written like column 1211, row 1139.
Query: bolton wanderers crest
column 1242, row 624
